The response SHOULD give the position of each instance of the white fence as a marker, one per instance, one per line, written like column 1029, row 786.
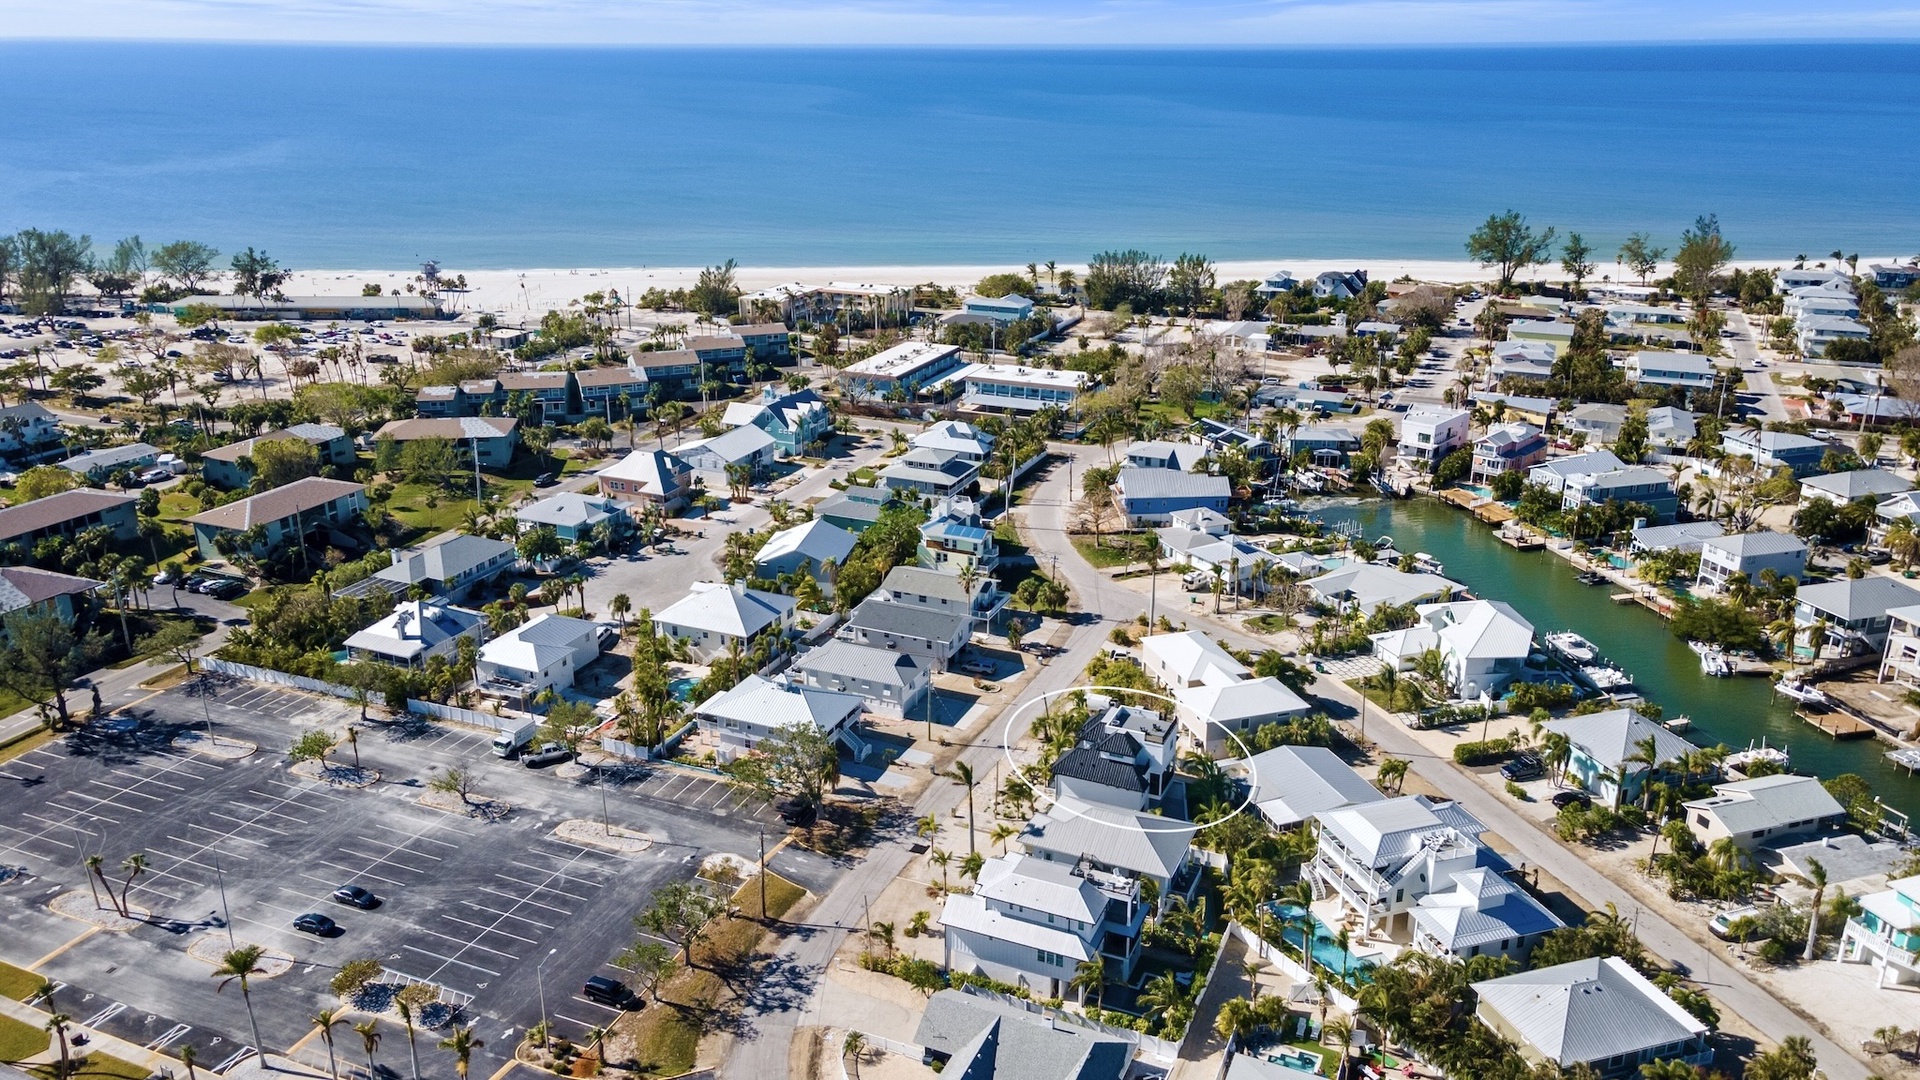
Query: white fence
column 1280, row 958
column 1167, row 1050
column 507, row 719
column 277, row 678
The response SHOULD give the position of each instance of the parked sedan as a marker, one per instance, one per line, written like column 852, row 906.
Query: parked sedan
column 1572, row 798
column 315, row 923
column 356, row 896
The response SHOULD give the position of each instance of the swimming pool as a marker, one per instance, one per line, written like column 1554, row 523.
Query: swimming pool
column 1327, row 952
column 682, row 689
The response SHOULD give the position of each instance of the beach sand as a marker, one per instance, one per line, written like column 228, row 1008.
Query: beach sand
column 521, row 293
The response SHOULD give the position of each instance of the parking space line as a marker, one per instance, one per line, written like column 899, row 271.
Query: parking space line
column 383, row 860
column 118, row 790
column 50, row 823
column 464, row 943
column 268, row 812
column 595, row 1005
column 393, row 849
column 209, row 828
column 539, row 888
column 523, row 900
column 147, row 779
column 244, row 822
column 414, row 835
column 361, row 873
column 487, row 929
column 448, row 959
column 508, row 914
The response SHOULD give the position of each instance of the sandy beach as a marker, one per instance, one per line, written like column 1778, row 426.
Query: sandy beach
column 530, row 292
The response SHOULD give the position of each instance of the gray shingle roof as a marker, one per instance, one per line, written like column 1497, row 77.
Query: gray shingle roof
column 884, row 667
column 1140, row 483
column 907, row 620
column 991, row 1040
column 1611, row 737
column 57, row 508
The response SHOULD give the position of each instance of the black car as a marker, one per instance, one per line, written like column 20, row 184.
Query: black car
column 1572, row 798
column 544, row 480
column 798, row 813
column 607, row 991
column 315, row 923
column 356, row 896
column 545, row 754
column 1523, row 767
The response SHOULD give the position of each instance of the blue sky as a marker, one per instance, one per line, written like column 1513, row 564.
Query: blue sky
column 952, row 22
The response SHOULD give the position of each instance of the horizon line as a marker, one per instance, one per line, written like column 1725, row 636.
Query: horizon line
column 982, row 46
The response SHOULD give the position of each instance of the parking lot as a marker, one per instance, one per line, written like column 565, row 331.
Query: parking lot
column 500, row 911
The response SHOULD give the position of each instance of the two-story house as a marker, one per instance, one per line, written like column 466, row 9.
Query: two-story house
column 449, row 570
column 892, row 684
column 1032, row 923
column 715, row 619
column 231, row 466
column 1431, row 432
column 797, row 420
column 650, row 477
column 933, row 636
column 978, row 598
column 28, row 432
column 1721, row 557
column 1886, row 933
column 1634, row 484
column 292, row 513
column 1483, row 645
column 1508, row 448
column 68, row 513
column 1150, row 497
column 1849, row 614
column 1772, row 449
column 923, row 472
column 492, row 438
column 1124, row 758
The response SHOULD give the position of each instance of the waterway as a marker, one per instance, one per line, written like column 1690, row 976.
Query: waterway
column 1541, row 586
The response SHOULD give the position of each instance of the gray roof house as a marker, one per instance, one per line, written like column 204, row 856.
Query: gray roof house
column 416, row 630
column 1670, row 428
column 1685, row 536
column 1484, row 914
column 1843, row 487
column 982, row 1038
column 1557, row 472
column 448, row 569
column 1597, row 1012
column 1855, row 609
column 1721, row 557
column 1764, row 810
column 891, row 683
column 932, row 635
column 1367, row 586
column 1151, row 496
column 104, row 462
column 1603, row 742
column 1293, row 783
column 573, row 515
column 1160, row 454
column 1117, row 841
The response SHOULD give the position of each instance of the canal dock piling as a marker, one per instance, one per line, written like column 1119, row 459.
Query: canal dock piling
column 1837, row 724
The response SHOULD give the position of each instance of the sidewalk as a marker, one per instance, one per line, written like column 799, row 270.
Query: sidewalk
column 96, row 1040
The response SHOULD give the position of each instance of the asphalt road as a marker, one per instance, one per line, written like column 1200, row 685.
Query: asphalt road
column 499, row 911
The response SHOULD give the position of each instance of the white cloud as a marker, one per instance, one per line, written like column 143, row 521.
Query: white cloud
column 954, row 22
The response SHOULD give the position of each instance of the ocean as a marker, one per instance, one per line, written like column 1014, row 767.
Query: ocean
column 512, row 158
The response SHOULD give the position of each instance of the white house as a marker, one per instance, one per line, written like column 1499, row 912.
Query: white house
column 1031, row 922
column 1211, row 710
column 1721, row 557
column 957, row 437
column 1690, row 370
column 1482, row 643
column 1160, row 454
column 415, row 631
column 756, row 708
column 1134, row 844
column 1854, row 610
column 1764, row 811
column 1483, row 914
column 1596, row 1012
column 1381, row 857
column 746, row 448
column 892, row 684
column 544, row 653
column 809, row 546
column 1189, row 658
column 1842, row 488
column 1367, row 586
column 1554, row 474
column 1886, row 933
column 1599, row 421
column 1238, row 563
column 715, row 617
column 1431, row 432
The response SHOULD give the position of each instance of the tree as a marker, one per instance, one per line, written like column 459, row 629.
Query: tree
column 278, row 462
column 1817, row 877
column 239, row 965
column 797, row 763
column 430, row 462
column 312, row 746
column 369, row 1033
column 455, row 782
column 681, row 912
column 44, row 480
column 650, row 963
column 1703, row 254
column 1576, row 259
column 854, row 1046
column 1090, row 976
column 463, row 1044
column 44, row 656
column 185, row 263
column 49, row 262
column 256, row 274
column 1508, row 243
column 56, row 1026
column 962, row 774
column 715, row 292
column 1793, row 1059
column 1190, row 281
column 1130, row 277
column 1640, row 256
column 326, row 1020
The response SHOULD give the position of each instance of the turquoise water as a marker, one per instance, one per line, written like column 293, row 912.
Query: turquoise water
column 348, row 157
column 1327, row 953
column 682, row 689
column 1541, row 586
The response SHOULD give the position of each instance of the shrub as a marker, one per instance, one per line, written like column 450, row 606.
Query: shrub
column 417, row 995
column 1528, row 696
column 1518, row 792
column 1484, row 752
column 354, row 975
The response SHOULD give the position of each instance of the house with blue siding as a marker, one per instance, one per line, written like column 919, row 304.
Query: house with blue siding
column 1772, row 449
column 1153, row 496
column 796, row 420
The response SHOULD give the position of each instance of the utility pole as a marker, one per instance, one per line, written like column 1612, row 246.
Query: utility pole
column 763, row 872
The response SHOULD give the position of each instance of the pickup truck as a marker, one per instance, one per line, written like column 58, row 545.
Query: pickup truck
column 545, row 754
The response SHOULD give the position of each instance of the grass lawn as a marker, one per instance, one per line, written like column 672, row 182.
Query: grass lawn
column 17, row 983
column 97, row 1065
column 20, row 1040
column 1311, row 1048
column 1115, row 549
column 1269, row 624
column 146, row 623
column 668, row 1038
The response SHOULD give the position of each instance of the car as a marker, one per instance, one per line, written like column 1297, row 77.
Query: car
column 164, row 577
column 1721, row 925
column 1572, row 798
column 227, row 590
column 155, row 475
column 222, row 377
column 607, row 991
column 798, row 812
column 315, row 923
column 106, row 419
column 977, row 667
column 1523, row 767
column 356, row 896
column 544, row 480
column 546, row 754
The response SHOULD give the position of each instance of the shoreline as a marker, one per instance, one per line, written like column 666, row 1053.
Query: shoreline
column 533, row 291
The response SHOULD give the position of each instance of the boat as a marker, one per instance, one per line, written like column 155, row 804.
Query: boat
column 1803, row 693
column 1678, row 723
column 1573, row 647
column 1427, row 564
column 1713, row 661
column 1605, row 676
column 1590, row 577
column 1741, row 760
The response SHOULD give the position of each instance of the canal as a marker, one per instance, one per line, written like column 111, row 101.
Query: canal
column 1542, row 587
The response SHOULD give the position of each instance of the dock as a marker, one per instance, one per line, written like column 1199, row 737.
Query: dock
column 1521, row 541
column 1838, row 725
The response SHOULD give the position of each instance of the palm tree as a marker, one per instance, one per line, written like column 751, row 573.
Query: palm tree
column 1090, row 976
column 413, row 1049
column 1645, row 752
column 463, row 1044
column 1817, row 874
column 1340, row 1034
column 188, row 1056
column 882, row 932
column 941, row 859
column 57, row 1027
column 326, row 1020
column 962, row 773
column 619, row 606
column 369, row 1033
column 238, row 966
column 1393, row 772
column 853, row 1046
column 1002, row 832
column 1235, row 1021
